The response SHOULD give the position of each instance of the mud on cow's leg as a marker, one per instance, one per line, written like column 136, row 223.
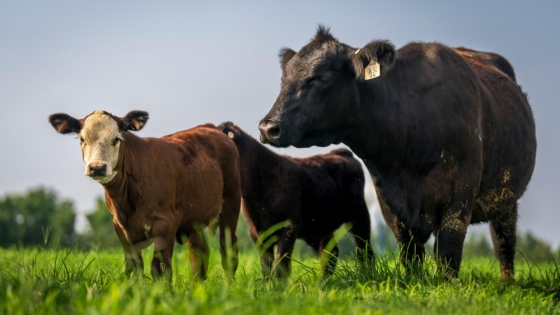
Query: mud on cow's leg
column 450, row 237
column 503, row 237
column 449, row 250
column 132, row 255
column 286, row 242
column 163, row 238
column 328, row 258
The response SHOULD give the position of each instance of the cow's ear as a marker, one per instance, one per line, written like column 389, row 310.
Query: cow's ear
column 134, row 120
column 64, row 123
column 285, row 55
column 374, row 59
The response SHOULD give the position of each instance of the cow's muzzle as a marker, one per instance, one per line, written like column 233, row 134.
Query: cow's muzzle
column 97, row 170
column 270, row 132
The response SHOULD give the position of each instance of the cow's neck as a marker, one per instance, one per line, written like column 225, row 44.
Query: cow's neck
column 376, row 136
column 120, row 188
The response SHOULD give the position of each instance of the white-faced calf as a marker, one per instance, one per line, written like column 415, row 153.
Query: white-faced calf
column 161, row 190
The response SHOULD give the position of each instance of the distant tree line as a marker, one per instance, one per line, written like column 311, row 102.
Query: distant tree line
column 40, row 217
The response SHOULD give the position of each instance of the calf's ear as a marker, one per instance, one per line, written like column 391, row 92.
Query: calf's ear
column 285, row 55
column 134, row 120
column 364, row 59
column 64, row 123
column 229, row 130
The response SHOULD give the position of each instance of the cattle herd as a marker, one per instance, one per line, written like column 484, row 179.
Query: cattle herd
column 446, row 134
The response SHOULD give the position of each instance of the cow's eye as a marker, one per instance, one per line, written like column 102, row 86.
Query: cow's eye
column 81, row 140
column 312, row 80
column 115, row 141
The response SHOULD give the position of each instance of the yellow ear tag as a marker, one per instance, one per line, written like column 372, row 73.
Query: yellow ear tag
column 230, row 134
column 372, row 71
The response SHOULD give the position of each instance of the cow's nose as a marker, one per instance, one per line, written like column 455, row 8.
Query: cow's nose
column 270, row 131
column 97, row 170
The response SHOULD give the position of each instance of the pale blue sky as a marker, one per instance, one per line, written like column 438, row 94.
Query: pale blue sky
column 188, row 63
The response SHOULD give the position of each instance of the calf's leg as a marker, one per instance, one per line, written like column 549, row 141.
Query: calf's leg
column 361, row 229
column 286, row 242
column 164, row 238
column 330, row 258
column 266, row 252
column 198, row 253
column 132, row 255
column 228, row 238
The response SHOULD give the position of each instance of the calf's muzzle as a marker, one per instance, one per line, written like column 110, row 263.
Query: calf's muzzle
column 97, row 170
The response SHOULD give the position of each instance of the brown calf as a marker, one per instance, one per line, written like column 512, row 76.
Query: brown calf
column 316, row 195
column 161, row 189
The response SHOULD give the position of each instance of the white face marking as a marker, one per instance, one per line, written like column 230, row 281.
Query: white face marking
column 99, row 145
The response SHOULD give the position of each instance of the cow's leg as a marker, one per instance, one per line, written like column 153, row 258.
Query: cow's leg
column 503, row 236
column 228, row 226
column 132, row 255
column 361, row 229
column 286, row 242
column 266, row 252
column 198, row 253
column 411, row 252
column 164, row 238
column 451, row 234
column 329, row 259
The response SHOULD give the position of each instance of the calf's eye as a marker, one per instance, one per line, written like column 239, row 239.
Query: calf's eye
column 115, row 141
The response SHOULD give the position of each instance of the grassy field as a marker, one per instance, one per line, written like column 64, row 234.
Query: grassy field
column 46, row 281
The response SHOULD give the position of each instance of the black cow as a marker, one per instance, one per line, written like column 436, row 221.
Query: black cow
column 448, row 139
column 316, row 195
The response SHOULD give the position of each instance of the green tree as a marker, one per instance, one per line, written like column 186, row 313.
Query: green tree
column 478, row 245
column 533, row 249
column 100, row 233
column 35, row 218
column 528, row 247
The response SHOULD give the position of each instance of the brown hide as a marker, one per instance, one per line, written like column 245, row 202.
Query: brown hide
column 170, row 187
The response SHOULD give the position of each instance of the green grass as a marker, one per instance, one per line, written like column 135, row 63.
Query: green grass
column 46, row 281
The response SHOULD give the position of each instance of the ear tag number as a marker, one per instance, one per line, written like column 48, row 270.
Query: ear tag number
column 230, row 134
column 372, row 71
